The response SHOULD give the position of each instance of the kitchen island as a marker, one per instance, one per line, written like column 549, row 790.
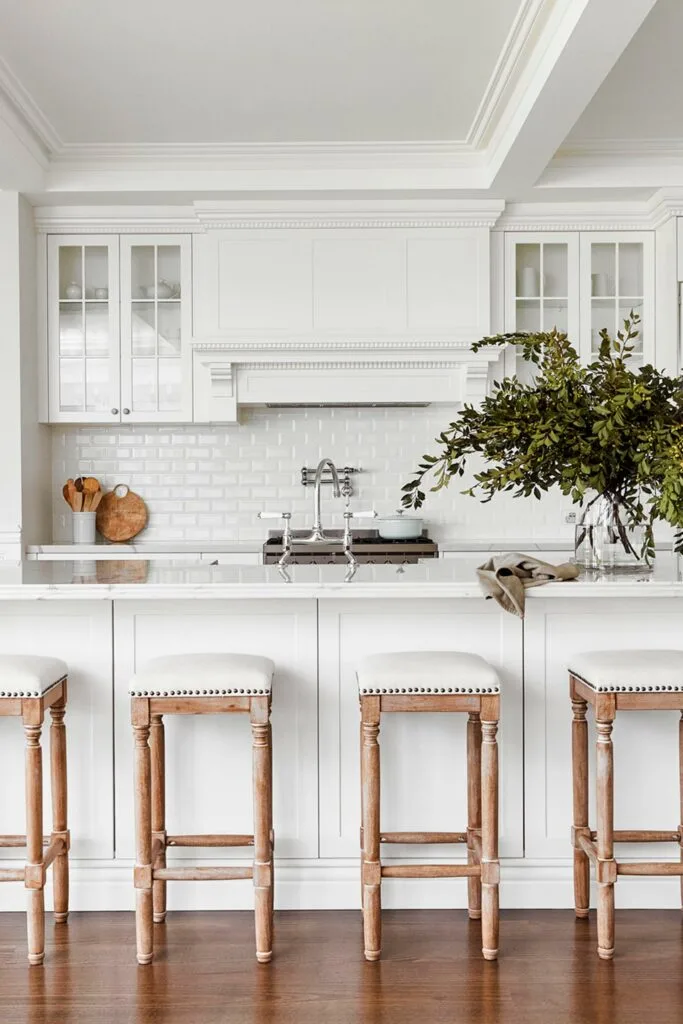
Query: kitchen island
column 106, row 618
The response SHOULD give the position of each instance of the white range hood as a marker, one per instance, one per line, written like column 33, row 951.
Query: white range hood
column 227, row 378
column 340, row 304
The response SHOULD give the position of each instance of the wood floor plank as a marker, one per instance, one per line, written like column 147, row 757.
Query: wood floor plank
column 431, row 971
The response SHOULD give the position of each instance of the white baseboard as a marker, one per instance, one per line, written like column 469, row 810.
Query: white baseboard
column 335, row 885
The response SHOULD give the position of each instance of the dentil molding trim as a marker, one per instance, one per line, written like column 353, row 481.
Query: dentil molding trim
column 316, row 344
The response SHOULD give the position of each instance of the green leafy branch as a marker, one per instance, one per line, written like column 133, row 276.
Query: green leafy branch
column 601, row 429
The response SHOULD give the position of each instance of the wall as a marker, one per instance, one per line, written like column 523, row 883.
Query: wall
column 208, row 483
column 10, row 411
column 36, row 442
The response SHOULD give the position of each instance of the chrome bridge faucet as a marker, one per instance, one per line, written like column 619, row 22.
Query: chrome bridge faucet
column 317, row 536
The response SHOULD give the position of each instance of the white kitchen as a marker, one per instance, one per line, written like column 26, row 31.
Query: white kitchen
column 325, row 396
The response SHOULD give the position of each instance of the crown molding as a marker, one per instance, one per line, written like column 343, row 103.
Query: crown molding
column 647, row 215
column 27, row 119
column 479, row 213
column 513, row 58
column 269, row 214
column 576, row 216
column 239, row 346
column 114, row 220
column 616, row 163
column 265, row 155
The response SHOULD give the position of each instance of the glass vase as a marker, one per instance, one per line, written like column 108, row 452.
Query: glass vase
column 605, row 542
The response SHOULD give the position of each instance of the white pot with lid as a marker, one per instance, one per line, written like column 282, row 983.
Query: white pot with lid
column 400, row 526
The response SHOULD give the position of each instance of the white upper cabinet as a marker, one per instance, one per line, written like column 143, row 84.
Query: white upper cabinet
column 322, row 283
column 581, row 282
column 617, row 278
column 156, row 324
column 83, row 329
column 119, row 321
column 542, row 285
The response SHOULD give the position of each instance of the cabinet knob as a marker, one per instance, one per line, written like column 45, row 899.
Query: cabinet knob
column 126, row 412
column 115, row 412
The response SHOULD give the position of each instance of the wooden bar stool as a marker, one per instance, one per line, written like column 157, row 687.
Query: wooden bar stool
column 199, row 684
column 612, row 681
column 29, row 685
column 433, row 681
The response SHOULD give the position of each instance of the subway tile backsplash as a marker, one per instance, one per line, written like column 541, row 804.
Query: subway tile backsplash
column 207, row 484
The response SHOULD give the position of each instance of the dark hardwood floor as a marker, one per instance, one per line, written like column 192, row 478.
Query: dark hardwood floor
column 431, row 971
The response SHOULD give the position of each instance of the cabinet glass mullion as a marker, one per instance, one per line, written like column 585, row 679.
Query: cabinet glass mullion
column 156, row 319
column 85, row 342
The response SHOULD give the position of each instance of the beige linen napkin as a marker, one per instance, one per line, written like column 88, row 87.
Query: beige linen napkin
column 505, row 578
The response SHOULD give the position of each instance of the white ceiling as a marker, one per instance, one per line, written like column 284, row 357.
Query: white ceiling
column 221, row 71
column 641, row 98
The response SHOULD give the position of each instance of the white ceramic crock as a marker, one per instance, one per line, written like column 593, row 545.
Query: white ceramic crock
column 399, row 526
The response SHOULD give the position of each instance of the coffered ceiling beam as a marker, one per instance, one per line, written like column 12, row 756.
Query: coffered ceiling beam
column 577, row 46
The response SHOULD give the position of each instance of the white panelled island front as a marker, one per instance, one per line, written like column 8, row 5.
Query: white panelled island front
column 105, row 619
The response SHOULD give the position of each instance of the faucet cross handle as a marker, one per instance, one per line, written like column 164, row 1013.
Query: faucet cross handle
column 286, row 533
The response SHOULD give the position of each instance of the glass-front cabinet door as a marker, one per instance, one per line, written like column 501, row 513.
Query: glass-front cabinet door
column 83, row 328
column 617, row 278
column 541, row 286
column 156, row 372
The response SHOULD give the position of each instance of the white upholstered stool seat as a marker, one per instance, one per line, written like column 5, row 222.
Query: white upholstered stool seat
column 204, row 675
column 28, row 675
column 638, row 671
column 428, row 672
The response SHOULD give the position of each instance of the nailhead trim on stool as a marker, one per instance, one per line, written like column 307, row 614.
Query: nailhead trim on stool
column 379, row 673
column 29, row 675
column 639, row 671
column 242, row 675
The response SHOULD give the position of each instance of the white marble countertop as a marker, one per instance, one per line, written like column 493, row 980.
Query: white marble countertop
column 147, row 548
column 429, row 579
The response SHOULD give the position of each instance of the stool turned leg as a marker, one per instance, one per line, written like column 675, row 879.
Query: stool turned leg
column 158, row 763
column 143, row 833
column 263, row 823
column 680, row 772
column 490, row 869
column 60, row 867
column 370, row 778
column 580, row 791
column 360, row 751
column 34, row 871
column 473, row 808
column 606, row 866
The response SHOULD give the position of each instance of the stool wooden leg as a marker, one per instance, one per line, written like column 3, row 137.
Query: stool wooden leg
column 60, row 867
column 158, row 765
column 580, row 791
column 606, row 866
column 360, row 751
column 473, row 808
column 680, row 773
column 143, row 832
column 34, row 871
column 263, row 823
column 370, row 778
column 490, row 868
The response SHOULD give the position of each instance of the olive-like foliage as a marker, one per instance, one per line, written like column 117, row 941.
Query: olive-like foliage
column 599, row 430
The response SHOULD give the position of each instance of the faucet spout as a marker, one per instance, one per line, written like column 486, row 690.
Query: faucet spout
column 317, row 534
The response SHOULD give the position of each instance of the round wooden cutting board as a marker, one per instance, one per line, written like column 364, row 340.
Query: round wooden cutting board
column 121, row 514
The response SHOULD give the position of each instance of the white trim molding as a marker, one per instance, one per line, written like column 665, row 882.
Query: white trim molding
column 378, row 213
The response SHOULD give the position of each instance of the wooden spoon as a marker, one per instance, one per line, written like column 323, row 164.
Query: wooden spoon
column 95, row 500
column 65, row 492
column 71, row 489
column 78, row 483
column 91, row 485
column 78, row 501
